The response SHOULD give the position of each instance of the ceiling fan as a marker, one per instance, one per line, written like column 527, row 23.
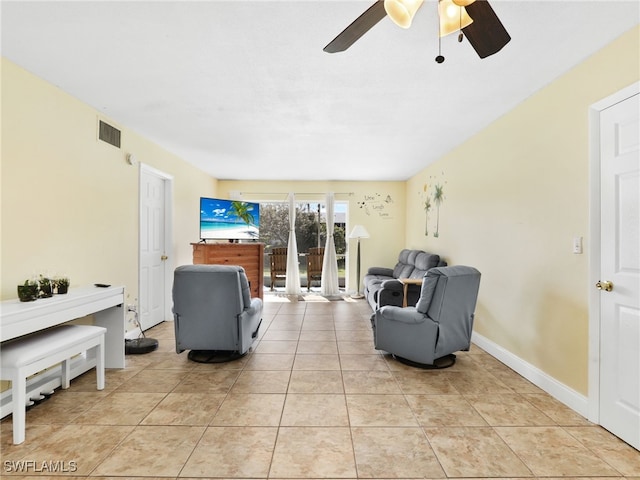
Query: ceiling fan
column 474, row 19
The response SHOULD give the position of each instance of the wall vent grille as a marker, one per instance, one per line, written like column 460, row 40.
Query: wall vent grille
column 109, row 134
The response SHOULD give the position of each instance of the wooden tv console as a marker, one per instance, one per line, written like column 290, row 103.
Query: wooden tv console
column 250, row 256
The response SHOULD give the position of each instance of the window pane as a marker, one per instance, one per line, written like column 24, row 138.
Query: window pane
column 311, row 231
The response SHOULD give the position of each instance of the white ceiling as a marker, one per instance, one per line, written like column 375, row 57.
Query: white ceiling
column 243, row 89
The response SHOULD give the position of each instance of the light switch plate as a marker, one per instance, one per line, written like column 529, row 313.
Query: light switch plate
column 577, row 245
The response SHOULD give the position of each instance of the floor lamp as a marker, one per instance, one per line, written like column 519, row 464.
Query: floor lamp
column 358, row 232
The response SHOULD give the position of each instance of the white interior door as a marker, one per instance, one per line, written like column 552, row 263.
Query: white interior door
column 620, row 265
column 153, row 252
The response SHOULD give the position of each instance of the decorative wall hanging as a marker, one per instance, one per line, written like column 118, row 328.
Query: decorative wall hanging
column 432, row 195
column 426, row 202
column 377, row 203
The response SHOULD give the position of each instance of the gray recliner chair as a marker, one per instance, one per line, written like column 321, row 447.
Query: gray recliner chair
column 427, row 334
column 214, row 314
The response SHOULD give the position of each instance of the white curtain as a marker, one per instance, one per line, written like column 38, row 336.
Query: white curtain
column 292, row 281
column 329, row 282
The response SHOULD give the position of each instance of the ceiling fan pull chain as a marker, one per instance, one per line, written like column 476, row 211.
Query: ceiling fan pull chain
column 460, row 35
column 439, row 58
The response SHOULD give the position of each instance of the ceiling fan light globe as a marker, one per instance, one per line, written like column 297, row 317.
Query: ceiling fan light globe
column 463, row 3
column 402, row 11
column 452, row 17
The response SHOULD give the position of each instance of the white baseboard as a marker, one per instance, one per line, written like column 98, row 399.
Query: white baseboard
column 553, row 387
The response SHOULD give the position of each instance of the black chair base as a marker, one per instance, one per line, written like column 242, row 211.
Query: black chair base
column 214, row 356
column 442, row 362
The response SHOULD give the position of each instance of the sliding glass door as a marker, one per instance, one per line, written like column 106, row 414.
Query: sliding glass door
column 311, row 231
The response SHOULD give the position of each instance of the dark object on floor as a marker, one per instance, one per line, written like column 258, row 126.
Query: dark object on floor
column 442, row 362
column 140, row 345
column 214, row 356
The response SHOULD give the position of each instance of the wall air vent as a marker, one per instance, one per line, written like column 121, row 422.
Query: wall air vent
column 109, row 134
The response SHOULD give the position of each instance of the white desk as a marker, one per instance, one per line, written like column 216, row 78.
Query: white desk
column 105, row 304
column 21, row 318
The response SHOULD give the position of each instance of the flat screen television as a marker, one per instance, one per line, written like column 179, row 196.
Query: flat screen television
column 222, row 219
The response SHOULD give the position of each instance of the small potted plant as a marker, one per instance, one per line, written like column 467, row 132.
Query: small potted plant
column 46, row 288
column 28, row 291
column 62, row 285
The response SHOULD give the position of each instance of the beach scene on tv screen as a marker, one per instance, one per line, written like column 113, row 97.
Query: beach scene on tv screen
column 229, row 219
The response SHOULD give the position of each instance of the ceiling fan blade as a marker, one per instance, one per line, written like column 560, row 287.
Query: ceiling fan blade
column 359, row 27
column 486, row 34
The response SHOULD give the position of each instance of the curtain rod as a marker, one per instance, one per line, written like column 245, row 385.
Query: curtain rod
column 237, row 195
column 296, row 193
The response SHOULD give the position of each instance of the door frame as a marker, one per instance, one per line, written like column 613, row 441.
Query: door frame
column 594, row 248
column 168, row 234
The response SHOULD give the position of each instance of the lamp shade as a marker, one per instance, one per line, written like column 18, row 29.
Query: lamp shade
column 463, row 3
column 402, row 11
column 452, row 17
column 359, row 232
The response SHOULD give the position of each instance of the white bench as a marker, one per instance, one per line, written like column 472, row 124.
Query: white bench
column 32, row 353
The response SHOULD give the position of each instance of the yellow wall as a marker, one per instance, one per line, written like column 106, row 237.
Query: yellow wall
column 70, row 201
column 379, row 206
column 515, row 196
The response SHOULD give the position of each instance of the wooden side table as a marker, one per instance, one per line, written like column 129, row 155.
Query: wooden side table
column 405, row 286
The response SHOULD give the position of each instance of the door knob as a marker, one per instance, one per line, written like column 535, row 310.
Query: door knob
column 164, row 257
column 606, row 286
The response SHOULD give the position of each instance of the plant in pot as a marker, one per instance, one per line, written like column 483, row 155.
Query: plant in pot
column 46, row 288
column 28, row 291
column 62, row 285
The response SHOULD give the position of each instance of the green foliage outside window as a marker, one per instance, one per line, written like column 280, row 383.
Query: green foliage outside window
column 274, row 228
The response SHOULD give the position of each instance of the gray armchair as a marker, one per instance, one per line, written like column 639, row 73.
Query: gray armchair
column 214, row 314
column 440, row 323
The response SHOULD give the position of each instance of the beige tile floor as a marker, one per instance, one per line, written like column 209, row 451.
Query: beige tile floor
column 313, row 399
